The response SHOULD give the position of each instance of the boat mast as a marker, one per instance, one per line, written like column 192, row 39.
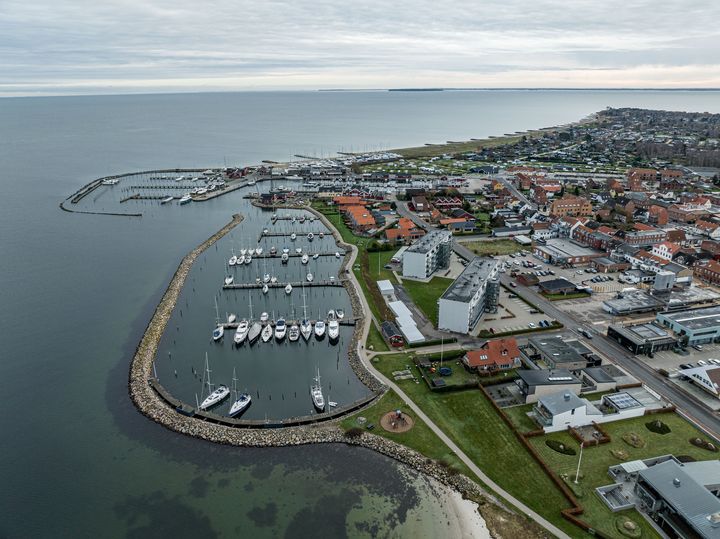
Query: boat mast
column 217, row 315
column 251, row 313
column 207, row 368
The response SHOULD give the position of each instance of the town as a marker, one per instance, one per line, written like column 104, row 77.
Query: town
column 559, row 288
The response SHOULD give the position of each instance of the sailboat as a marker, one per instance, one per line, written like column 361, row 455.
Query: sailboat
column 243, row 252
column 214, row 397
column 251, row 252
column 284, row 258
column 305, row 325
column 288, row 289
column 265, row 289
column 241, row 332
column 273, row 279
column 340, row 314
column 293, row 236
column 322, row 235
column 280, row 329
column 229, row 280
column 231, row 318
column 219, row 330
column 259, row 251
column 267, row 333
column 298, row 250
column 264, row 317
column 317, row 395
column 315, row 256
column 240, row 402
column 305, row 259
column 233, row 260
column 310, row 277
column 241, row 260
column 255, row 328
column 248, row 259
column 310, row 236
column 337, row 254
column 273, row 250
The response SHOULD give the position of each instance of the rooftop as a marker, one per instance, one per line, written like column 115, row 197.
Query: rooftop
column 429, row 241
column 558, row 349
column 695, row 319
column 561, row 402
column 473, row 276
column 562, row 248
column 643, row 333
column 546, row 377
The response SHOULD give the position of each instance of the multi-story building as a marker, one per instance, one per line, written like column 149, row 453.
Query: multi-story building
column 571, row 206
column 428, row 254
column 709, row 272
column 474, row 292
column 696, row 326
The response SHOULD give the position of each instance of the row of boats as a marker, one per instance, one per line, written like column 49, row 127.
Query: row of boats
column 245, row 256
column 252, row 331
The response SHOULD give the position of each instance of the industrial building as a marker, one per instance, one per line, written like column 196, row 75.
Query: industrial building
column 475, row 291
column 642, row 338
column 696, row 326
column 562, row 251
column 428, row 254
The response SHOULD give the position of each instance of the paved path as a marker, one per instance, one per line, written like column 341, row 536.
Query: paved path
column 429, row 422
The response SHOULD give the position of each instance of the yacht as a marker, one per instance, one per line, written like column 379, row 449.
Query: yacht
column 231, row 318
column 293, row 333
column 333, row 330
column 166, row 200
column 273, row 250
column 322, row 235
column 264, row 317
column 202, row 191
column 288, row 289
column 305, row 259
column 340, row 314
column 254, row 332
column 232, row 261
column 266, row 278
column 306, row 329
column 241, row 332
column 315, row 256
column 286, row 250
column 265, row 289
column 214, row 397
column 298, row 250
column 229, row 280
column 285, row 257
column 280, row 329
column 273, row 279
column 317, row 395
column 310, row 277
column 337, row 254
column 319, row 329
column 259, row 251
column 267, row 333
column 248, row 259
column 241, row 260
column 185, row 199
column 310, row 236
column 293, row 236
column 240, row 402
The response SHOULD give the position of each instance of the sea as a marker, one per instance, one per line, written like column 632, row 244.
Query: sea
column 76, row 292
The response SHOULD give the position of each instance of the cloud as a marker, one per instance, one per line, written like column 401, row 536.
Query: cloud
column 73, row 46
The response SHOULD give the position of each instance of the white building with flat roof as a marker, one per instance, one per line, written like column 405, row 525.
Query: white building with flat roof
column 428, row 254
column 475, row 291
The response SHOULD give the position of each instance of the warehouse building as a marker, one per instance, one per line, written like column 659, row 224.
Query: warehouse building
column 696, row 326
column 642, row 338
column 562, row 251
column 428, row 254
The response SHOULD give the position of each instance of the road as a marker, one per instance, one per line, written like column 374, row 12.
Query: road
column 687, row 404
column 365, row 358
column 517, row 194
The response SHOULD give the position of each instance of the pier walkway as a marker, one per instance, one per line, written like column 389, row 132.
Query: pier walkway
column 298, row 284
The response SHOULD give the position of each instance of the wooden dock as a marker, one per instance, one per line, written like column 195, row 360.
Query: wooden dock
column 343, row 322
column 302, row 234
column 291, row 255
column 298, row 284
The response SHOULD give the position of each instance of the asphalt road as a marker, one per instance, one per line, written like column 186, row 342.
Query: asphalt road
column 687, row 404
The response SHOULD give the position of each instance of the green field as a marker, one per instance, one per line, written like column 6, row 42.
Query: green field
column 518, row 415
column 493, row 247
column 375, row 340
column 596, row 460
column 560, row 297
column 426, row 295
column 470, row 420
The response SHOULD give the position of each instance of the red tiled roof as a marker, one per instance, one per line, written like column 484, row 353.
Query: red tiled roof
column 491, row 353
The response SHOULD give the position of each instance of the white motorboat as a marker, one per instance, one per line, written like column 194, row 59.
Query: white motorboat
column 333, row 330
column 320, row 329
column 317, row 395
column 265, row 231
column 285, row 257
column 332, row 278
column 266, row 278
column 113, row 181
column 248, row 259
column 331, row 315
column 166, row 200
column 265, row 289
column 298, row 250
column 254, row 332
column 251, row 252
column 267, row 333
column 243, row 252
column 322, row 235
column 286, row 250
column 229, row 280
column 273, row 279
column 273, row 250
column 232, row 261
column 288, row 289
column 315, row 256
column 306, row 329
column 293, row 236
column 185, row 199
column 259, row 251
column 305, row 259
column 241, row 332
column 280, row 329
column 337, row 254
column 216, row 396
column 293, row 333
column 310, row 236
column 340, row 314
column 231, row 318
column 202, row 191
column 264, row 317
column 241, row 260
column 310, row 277
column 302, row 219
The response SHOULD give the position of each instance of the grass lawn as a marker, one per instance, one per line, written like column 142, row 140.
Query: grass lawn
column 560, row 297
column 420, row 437
column 470, row 420
column 426, row 295
column 376, row 265
column 596, row 461
column 518, row 415
column 459, row 377
column 375, row 340
column 494, row 247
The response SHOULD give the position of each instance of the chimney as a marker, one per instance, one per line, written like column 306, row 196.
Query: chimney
column 567, row 396
column 676, row 482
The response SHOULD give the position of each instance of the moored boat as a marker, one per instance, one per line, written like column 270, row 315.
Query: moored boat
column 317, row 395
column 280, row 329
column 310, row 277
column 241, row 332
column 333, row 330
column 267, row 333
column 288, row 289
column 254, row 332
column 320, row 329
column 229, row 280
column 293, row 333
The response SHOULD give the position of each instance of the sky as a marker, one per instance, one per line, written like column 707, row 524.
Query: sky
column 52, row 47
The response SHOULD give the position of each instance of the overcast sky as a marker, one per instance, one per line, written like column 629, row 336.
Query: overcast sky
column 119, row 46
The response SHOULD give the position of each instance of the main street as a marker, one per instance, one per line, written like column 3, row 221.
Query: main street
column 687, row 404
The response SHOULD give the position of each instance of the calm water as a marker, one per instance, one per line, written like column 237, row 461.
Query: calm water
column 78, row 460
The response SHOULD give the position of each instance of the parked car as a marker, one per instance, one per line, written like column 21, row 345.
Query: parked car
column 698, row 347
column 531, row 325
column 702, row 363
column 686, row 366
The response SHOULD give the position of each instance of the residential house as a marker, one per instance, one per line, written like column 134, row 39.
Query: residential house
column 666, row 250
column 493, row 356
column 570, row 205
column 708, row 272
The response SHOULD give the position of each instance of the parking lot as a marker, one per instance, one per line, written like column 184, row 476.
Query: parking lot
column 513, row 315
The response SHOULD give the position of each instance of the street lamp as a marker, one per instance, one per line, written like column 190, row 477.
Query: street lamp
column 577, row 472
